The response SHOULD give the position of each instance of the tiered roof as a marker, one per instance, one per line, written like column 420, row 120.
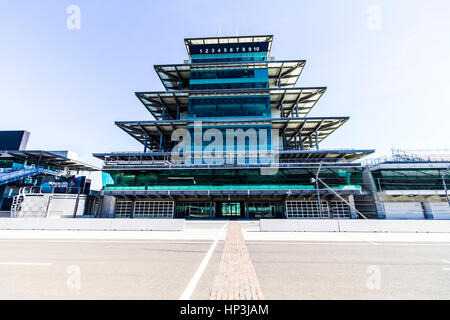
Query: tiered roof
column 294, row 103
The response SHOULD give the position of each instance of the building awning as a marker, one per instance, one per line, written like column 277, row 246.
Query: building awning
column 226, row 195
column 170, row 103
column 48, row 158
column 283, row 74
column 228, row 40
column 296, row 132
column 288, row 159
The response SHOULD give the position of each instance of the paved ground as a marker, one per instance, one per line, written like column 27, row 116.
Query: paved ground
column 164, row 265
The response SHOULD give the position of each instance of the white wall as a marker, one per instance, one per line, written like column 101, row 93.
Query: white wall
column 357, row 225
column 404, row 210
column 440, row 210
column 52, row 205
column 92, row 224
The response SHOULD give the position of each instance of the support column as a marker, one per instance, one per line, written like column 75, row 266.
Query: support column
column 317, row 140
column 210, row 210
column 330, row 212
column 319, row 200
column 2, row 191
column 300, row 140
column 160, row 141
column 132, row 209
column 353, row 213
column 145, row 144
column 427, row 212
column 246, row 210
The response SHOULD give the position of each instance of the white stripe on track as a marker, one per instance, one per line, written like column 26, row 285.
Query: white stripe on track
column 25, row 263
column 187, row 293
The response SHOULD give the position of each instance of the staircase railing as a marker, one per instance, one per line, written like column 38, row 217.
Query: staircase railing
column 24, row 172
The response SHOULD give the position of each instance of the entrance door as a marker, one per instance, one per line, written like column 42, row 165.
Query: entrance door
column 231, row 210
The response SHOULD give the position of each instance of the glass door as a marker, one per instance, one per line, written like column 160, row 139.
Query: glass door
column 231, row 210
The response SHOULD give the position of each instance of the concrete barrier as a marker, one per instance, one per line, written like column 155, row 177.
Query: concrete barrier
column 309, row 225
column 92, row 224
column 298, row 225
column 359, row 225
column 278, row 225
column 414, row 226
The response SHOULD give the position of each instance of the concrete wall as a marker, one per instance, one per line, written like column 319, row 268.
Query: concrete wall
column 64, row 206
column 440, row 210
column 52, row 205
column 404, row 210
column 92, row 224
column 370, row 184
column 358, row 225
column 107, row 208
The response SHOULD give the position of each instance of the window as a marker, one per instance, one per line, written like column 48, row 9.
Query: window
column 306, row 209
column 265, row 209
column 123, row 209
column 195, row 209
column 340, row 209
column 153, row 209
column 242, row 106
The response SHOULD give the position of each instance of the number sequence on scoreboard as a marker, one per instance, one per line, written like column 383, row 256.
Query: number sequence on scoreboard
column 228, row 50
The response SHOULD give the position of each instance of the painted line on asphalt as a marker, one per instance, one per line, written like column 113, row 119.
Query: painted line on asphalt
column 343, row 243
column 125, row 241
column 187, row 293
column 25, row 263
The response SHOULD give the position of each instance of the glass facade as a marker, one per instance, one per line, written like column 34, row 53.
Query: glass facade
column 229, row 79
column 230, row 93
column 232, row 107
column 217, row 179
column 229, row 57
column 409, row 179
column 229, row 210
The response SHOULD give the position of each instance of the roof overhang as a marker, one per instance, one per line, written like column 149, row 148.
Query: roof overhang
column 410, row 166
column 151, row 133
column 283, row 74
column 49, row 158
column 170, row 102
column 294, row 158
column 225, row 195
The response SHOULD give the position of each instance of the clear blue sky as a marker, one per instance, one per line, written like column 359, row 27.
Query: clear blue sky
column 389, row 71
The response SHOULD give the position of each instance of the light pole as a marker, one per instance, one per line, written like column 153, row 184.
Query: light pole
column 317, row 188
column 446, row 172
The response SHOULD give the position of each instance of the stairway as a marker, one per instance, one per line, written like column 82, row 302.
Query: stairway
column 8, row 176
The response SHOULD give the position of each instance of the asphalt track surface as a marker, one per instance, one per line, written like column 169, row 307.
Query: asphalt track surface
column 208, row 261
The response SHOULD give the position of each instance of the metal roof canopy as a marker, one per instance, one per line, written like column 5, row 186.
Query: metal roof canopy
column 49, row 158
column 284, row 73
column 410, row 166
column 280, row 98
column 315, row 156
column 153, row 134
column 224, row 195
column 233, row 39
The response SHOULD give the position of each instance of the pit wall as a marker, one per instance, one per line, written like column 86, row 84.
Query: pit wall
column 87, row 224
column 404, row 226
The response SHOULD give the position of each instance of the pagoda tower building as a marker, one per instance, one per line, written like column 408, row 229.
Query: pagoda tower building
column 230, row 137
